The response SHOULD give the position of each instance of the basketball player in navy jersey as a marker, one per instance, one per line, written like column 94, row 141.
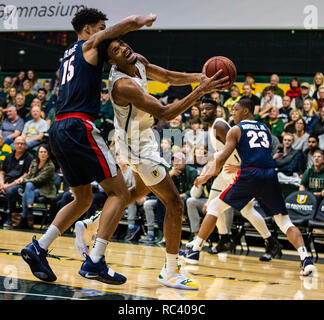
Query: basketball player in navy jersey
column 79, row 148
column 256, row 178
column 217, row 130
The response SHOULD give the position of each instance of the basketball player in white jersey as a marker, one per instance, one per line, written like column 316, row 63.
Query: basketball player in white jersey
column 217, row 130
column 135, row 110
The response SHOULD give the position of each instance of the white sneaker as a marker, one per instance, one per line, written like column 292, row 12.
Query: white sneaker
column 190, row 244
column 82, row 241
column 176, row 280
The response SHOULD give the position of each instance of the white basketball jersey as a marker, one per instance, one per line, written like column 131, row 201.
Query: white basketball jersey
column 134, row 137
column 219, row 146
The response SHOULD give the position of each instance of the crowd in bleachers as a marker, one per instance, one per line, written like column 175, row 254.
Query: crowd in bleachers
column 27, row 110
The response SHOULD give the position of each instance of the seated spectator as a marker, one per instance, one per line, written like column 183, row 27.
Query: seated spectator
column 5, row 149
column 22, row 109
column 270, row 115
column 300, row 135
column 195, row 135
column 318, row 127
column 306, row 157
column 221, row 112
column 294, row 90
column 188, row 152
column 247, row 93
column 270, row 98
column 319, row 103
column 249, row 79
column 17, row 81
column 196, row 206
column 287, row 158
column 41, row 95
column 298, row 102
column 38, row 182
column 313, row 178
column 274, row 81
column 200, row 157
column 52, row 103
column 11, row 96
column 294, row 115
column 106, row 108
column 12, row 126
column 35, row 83
column 317, row 83
column 309, row 115
column 14, row 169
column 194, row 112
column 216, row 96
column 149, row 206
column 26, row 92
column 7, row 84
column 48, row 89
column 174, row 132
column 235, row 97
column 284, row 112
column 165, row 150
column 35, row 129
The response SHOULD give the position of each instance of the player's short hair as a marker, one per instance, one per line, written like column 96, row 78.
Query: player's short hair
column 103, row 49
column 87, row 16
column 247, row 103
column 209, row 101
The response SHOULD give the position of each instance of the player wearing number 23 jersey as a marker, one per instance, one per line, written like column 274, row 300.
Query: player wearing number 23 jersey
column 256, row 177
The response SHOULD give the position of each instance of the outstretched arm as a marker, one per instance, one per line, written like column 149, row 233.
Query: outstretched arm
column 160, row 74
column 131, row 23
column 126, row 92
column 214, row 167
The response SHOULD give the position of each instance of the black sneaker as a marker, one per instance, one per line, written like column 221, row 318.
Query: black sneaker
column 225, row 244
column 131, row 233
column 35, row 257
column 273, row 249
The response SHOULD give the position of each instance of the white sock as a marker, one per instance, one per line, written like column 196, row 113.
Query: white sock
column 171, row 262
column 49, row 236
column 198, row 244
column 98, row 249
column 302, row 253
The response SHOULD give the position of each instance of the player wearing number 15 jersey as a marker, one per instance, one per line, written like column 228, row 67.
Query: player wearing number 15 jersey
column 79, row 148
column 256, row 178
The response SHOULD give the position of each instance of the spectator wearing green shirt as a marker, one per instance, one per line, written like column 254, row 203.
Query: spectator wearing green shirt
column 276, row 125
column 313, row 178
column 274, row 81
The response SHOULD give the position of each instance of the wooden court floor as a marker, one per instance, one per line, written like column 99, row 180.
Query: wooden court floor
column 221, row 277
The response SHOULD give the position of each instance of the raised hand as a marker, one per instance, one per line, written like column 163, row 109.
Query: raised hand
column 214, row 83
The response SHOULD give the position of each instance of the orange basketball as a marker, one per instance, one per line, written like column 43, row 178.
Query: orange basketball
column 216, row 63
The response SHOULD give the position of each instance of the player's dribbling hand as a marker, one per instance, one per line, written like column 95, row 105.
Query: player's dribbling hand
column 214, row 83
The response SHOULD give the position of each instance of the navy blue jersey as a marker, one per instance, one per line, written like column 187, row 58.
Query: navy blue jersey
column 254, row 147
column 80, row 83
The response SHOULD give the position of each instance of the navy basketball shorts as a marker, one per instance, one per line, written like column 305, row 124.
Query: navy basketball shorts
column 80, row 150
column 258, row 183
